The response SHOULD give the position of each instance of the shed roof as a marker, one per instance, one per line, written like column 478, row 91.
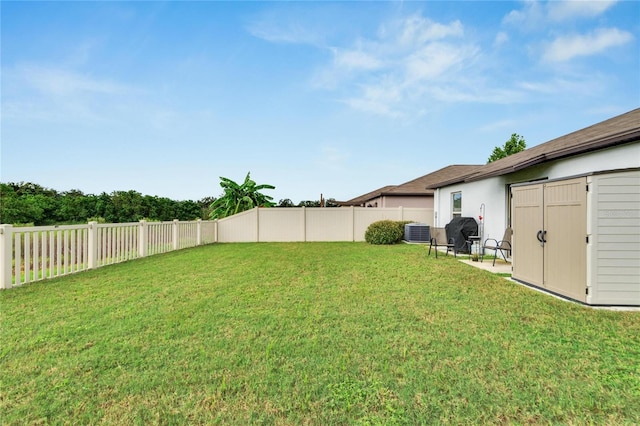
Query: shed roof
column 618, row 130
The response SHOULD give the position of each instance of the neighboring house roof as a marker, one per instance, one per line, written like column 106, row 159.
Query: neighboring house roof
column 618, row 130
column 423, row 184
column 416, row 187
column 366, row 197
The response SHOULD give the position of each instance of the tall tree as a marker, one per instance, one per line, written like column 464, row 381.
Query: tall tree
column 75, row 207
column 515, row 144
column 205, row 207
column 238, row 198
column 286, row 202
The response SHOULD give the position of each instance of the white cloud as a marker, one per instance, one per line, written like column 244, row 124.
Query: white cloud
column 565, row 48
column 535, row 15
column 356, row 60
column 289, row 26
column 566, row 10
column 435, row 60
column 528, row 17
column 414, row 64
column 417, row 30
column 467, row 91
column 60, row 82
column 43, row 93
column 574, row 84
column 293, row 33
column 501, row 38
column 380, row 98
column 387, row 74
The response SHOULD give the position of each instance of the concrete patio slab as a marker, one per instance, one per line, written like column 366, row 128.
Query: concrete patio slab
column 501, row 266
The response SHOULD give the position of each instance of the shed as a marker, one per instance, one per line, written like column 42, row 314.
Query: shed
column 580, row 237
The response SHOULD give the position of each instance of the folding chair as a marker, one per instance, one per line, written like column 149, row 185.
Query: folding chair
column 439, row 239
column 502, row 246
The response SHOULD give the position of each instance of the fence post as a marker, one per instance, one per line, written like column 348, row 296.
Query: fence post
column 199, row 232
column 142, row 238
column 353, row 223
column 176, row 235
column 6, row 256
column 257, row 224
column 92, row 241
column 304, row 224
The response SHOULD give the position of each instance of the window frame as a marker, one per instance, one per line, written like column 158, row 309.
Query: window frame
column 456, row 198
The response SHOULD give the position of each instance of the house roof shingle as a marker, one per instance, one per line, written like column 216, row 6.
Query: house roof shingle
column 366, row 197
column 618, row 130
column 422, row 185
column 418, row 186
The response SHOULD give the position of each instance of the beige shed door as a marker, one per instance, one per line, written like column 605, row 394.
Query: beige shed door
column 527, row 221
column 549, row 236
column 565, row 249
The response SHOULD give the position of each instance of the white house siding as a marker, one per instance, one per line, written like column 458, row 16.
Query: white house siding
column 493, row 191
column 613, row 255
column 490, row 192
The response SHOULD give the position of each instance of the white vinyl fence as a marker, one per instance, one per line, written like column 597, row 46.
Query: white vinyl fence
column 35, row 253
column 29, row 254
column 312, row 223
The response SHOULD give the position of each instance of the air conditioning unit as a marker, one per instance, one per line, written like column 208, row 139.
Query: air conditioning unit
column 417, row 233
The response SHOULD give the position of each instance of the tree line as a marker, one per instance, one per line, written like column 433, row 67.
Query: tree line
column 30, row 203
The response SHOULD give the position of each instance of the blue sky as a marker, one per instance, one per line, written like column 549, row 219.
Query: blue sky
column 337, row 98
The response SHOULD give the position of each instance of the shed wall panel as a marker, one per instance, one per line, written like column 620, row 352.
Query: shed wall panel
column 621, row 275
column 615, row 231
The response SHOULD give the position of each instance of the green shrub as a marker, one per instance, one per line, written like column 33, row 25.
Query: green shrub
column 384, row 232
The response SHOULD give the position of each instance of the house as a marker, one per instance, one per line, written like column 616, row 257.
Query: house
column 415, row 193
column 574, row 206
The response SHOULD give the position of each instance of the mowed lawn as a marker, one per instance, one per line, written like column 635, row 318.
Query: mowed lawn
column 310, row 333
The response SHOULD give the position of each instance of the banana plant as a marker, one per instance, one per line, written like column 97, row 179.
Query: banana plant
column 238, row 198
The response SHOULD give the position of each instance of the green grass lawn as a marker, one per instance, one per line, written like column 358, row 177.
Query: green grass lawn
column 310, row 333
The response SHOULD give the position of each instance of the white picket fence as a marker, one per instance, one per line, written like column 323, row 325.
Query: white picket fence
column 29, row 254
column 35, row 253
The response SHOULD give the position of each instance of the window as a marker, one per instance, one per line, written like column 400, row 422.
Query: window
column 456, row 204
